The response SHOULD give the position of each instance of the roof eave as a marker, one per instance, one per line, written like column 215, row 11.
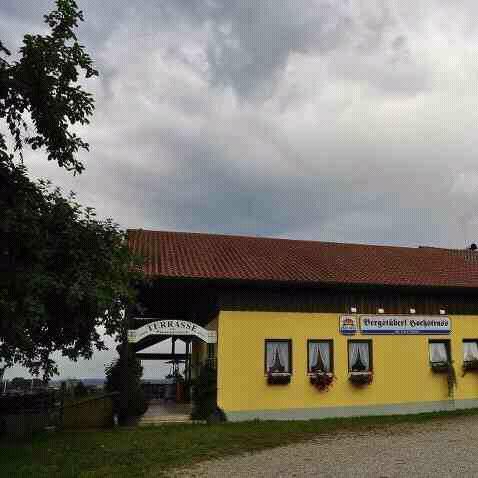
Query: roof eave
column 313, row 284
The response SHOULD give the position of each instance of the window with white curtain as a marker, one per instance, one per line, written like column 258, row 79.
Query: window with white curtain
column 320, row 356
column 360, row 356
column 439, row 351
column 470, row 350
column 278, row 356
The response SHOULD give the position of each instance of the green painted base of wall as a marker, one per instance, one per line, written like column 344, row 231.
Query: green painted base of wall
column 353, row 411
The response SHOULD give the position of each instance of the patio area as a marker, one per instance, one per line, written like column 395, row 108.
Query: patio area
column 161, row 411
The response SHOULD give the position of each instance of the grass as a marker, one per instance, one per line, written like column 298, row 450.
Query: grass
column 152, row 451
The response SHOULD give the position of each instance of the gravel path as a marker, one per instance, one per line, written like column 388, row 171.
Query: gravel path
column 437, row 448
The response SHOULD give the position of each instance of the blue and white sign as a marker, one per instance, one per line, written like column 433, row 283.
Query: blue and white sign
column 400, row 324
column 348, row 324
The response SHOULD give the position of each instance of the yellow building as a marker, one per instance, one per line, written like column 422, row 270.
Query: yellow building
column 306, row 329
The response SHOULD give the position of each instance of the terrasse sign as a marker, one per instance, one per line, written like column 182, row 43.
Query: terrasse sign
column 172, row 328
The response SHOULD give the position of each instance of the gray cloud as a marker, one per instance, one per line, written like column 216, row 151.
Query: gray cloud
column 254, row 41
column 341, row 121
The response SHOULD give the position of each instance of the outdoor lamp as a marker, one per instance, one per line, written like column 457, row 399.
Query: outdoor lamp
column 442, row 311
column 381, row 311
column 413, row 311
column 353, row 310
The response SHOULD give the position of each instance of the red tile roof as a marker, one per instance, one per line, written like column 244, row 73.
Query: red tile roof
column 213, row 256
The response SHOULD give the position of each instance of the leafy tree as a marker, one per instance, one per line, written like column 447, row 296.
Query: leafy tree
column 42, row 87
column 63, row 272
column 124, row 376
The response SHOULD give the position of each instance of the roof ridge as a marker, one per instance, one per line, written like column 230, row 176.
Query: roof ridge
column 227, row 256
column 292, row 240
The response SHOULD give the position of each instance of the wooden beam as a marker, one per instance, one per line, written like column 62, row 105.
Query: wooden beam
column 159, row 356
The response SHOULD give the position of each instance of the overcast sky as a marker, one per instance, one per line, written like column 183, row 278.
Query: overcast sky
column 338, row 120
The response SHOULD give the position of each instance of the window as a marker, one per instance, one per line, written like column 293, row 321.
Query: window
column 360, row 356
column 278, row 356
column 320, row 356
column 439, row 351
column 470, row 350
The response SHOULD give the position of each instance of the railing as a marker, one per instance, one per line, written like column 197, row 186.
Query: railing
column 11, row 403
column 88, row 412
column 211, row 362
column 24, row 413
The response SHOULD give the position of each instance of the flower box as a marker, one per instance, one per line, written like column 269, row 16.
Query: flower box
column 322, row 380
column 470, row 366
column 360, row 378
column 278, row 378
column 439, row 367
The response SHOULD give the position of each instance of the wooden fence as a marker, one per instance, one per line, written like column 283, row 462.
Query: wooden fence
column 21, row 415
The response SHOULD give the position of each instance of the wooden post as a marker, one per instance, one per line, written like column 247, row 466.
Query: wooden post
column 124, row 351
column 186, row 373
column 190, row 361
column 189, row 352
column 62, row 403
column 187, row 367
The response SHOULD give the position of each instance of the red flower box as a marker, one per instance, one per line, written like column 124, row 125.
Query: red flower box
column 322, row 381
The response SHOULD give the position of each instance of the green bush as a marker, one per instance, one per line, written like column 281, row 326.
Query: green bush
column 124, row 376
column 204, row 398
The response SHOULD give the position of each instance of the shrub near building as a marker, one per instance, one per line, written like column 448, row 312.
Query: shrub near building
column 124, row 376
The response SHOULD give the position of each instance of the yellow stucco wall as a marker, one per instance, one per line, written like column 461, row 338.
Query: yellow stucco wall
column 401, row 363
